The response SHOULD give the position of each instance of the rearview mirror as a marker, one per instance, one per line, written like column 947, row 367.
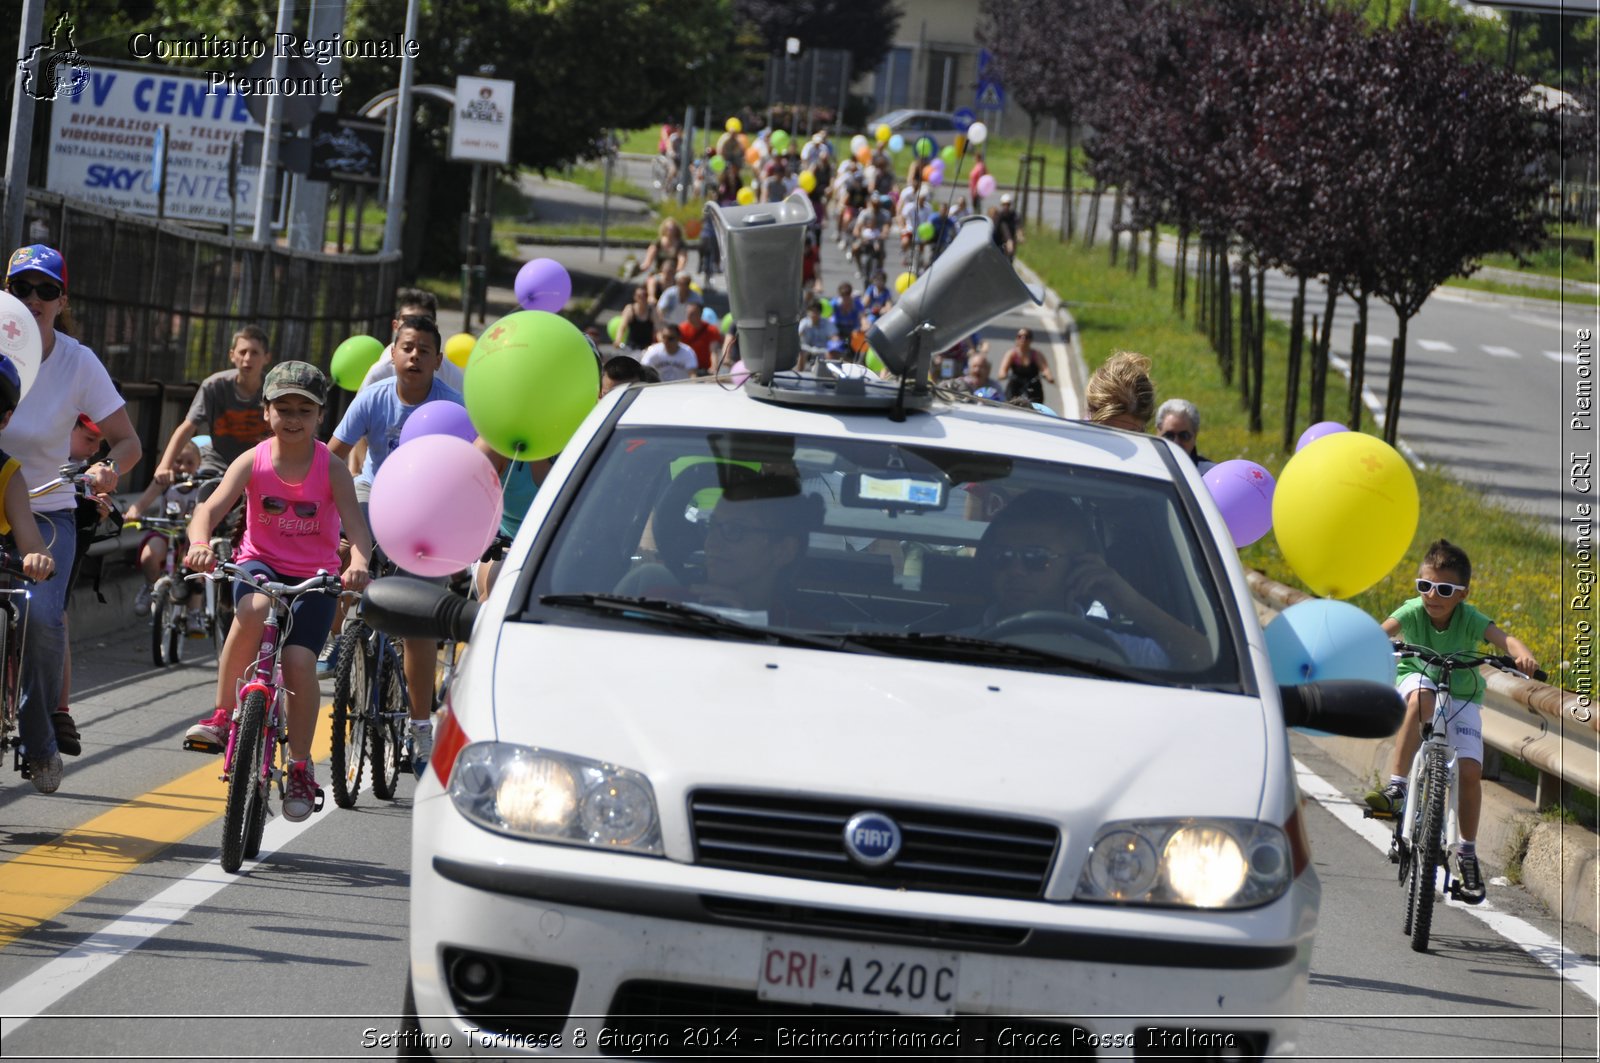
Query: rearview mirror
column 409, row 608
column 895, row 491
column 1354, row 708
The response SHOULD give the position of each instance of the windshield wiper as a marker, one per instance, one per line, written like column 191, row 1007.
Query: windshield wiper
column 683, row 615
column 970, row 648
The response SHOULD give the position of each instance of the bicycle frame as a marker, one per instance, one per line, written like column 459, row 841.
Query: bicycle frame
column 269, row 680
column 12, row 646
column 1435, row 734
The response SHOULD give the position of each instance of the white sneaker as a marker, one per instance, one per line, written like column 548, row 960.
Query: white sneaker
column 197, row 624
column 302, row 796
column 141, row 601
column 420, row 735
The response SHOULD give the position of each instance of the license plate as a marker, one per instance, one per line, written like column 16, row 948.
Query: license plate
column 846, row 974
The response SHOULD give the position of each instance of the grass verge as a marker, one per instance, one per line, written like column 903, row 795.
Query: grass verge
column 1518, row 566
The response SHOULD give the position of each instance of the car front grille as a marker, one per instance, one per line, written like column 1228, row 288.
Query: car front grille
column 672, row 1020
column 803, row 837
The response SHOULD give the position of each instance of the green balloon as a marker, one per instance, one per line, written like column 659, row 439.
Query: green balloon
column 727, row 322
column 718, row 164
column 827, row 308
column 948, row 154
column 925, row 147
column 874, row 363
column 531, row 380
column 352, row 359
column 925, row 231
column 780, row 141
column 614, row 329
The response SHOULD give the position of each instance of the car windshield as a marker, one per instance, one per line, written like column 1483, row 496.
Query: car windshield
column 871, row 546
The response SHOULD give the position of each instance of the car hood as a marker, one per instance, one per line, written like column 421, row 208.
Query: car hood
column 693, row 712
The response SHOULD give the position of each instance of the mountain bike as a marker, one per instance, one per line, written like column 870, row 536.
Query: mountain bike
column 371, row 704
column 257, row 754
column 1426, row 829
column 13, row 622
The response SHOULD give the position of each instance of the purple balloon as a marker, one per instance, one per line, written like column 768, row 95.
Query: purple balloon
column 441, row 417
column 543, row 284
column 1316, row 432
column 1243, row 492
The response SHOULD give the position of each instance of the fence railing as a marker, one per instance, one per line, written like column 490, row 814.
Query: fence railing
column 1555, row 730
column 160, row 301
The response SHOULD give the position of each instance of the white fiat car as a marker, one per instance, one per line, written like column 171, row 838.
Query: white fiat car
column 821, row 724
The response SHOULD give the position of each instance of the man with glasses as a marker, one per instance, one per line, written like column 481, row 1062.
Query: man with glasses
column 1179, row 421
column 1043, row 557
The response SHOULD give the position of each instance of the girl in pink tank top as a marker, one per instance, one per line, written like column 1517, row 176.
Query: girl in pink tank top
column 296, row 499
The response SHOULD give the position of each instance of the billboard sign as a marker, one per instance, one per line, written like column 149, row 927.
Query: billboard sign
column 480, row 126
column 102, row 143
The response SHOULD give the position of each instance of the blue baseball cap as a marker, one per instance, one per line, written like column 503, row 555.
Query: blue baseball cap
column 10, row 383
column 38, row 257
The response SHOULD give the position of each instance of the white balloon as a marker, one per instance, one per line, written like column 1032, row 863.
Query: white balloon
column 19, row 338
column 977, row 133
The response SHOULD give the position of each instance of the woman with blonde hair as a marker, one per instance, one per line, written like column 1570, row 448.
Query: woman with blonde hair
column 666, row 257
column 1120, row 395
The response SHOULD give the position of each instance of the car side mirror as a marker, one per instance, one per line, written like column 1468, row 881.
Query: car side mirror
column 409, row 608
column 1354, row 708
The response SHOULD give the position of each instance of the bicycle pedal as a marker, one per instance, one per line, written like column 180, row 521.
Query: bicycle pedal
column 1372, row 813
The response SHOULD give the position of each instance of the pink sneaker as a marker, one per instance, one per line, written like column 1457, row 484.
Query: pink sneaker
column 210, row 735
column 302, row 796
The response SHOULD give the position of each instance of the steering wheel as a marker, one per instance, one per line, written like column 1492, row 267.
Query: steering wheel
column 1052, row 622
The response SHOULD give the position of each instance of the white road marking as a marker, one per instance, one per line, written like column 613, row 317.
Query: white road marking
column 1500, row 352
column 1435, row 345
column 1583, row 974
column 1541, row 320
column 43, row 988
column 1562, row 356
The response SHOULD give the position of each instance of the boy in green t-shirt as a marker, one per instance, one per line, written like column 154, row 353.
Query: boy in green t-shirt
column 1440, row 619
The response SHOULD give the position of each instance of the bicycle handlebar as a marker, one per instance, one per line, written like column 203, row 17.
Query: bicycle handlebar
column 1465, row 659
column 11, row 565
column 322, row 582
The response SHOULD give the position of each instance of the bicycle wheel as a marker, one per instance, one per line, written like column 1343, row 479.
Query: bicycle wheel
column 161, row 646
column 388, row 729
column 1428, row 847
column 350, row 715
column 444, row 670
column 245, row 785
column 255, row 814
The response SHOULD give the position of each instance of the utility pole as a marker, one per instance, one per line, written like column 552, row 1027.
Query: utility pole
column 394, row 209
column 19, row 151
column 269, row 140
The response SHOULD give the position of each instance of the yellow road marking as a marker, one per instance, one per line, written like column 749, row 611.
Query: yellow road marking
column 46, row 880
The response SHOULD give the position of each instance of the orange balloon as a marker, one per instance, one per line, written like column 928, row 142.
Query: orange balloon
column 752, row 156
column 864, row 156
column 691, row 229
column 744, row 140
column 927, row 171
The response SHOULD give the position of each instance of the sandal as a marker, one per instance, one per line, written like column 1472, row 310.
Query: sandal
column 67, row 737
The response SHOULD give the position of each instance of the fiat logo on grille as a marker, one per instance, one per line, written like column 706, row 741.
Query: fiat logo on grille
column 872, row 838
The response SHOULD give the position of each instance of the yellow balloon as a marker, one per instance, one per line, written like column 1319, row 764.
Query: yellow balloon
column 746, row 196
column 883, row 133
column 808, row 182
column 734, row 126
column 904, row 281
column 458, row 347
column 1344, row 513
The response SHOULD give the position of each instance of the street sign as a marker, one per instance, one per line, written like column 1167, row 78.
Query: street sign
column 346, row 149
column 480, row 127
column 990, row 96
column 965, row 117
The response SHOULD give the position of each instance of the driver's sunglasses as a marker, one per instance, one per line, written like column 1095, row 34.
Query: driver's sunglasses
column 44, row 289
column 1444, row 590
column 1184, row 436
column 275, row 505
column 1033, row 558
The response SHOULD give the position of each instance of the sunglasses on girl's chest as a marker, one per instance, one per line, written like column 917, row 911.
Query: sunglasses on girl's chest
column 275, row 505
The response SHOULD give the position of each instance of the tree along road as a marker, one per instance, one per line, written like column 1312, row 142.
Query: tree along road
column 113, row 951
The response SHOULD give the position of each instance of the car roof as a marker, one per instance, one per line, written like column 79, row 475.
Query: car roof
column 983, row 427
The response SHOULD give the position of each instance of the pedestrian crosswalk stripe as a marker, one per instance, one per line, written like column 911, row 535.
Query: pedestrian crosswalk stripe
column 1561, row 356
column 1435, row 345
column 1500, row 352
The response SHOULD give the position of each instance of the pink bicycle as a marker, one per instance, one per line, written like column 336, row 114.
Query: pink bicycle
column 257, row 754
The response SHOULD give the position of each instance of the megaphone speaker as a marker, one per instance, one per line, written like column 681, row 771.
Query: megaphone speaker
column 763, row 246
column 969, row 284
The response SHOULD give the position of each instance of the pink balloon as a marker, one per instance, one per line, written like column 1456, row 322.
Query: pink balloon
column 1316, row 432
column 986, row 185
column 435, row 505
column 439, row 417
column 543, row 284
column 1243, row 492
column 740, row 373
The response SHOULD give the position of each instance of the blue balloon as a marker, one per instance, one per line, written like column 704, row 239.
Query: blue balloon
column 1040, row 407
column 1322, row 638
column 897, row 143
column 708, row 315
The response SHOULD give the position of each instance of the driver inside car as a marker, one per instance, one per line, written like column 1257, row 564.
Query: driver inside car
column 1044, row 562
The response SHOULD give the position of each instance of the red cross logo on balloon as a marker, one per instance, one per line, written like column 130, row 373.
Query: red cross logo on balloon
column 12, row 331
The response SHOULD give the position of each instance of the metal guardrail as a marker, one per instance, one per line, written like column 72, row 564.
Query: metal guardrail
column 1552, row 729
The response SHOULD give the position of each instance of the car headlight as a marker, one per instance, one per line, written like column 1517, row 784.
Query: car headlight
column 1187, row 863
column 555, row 797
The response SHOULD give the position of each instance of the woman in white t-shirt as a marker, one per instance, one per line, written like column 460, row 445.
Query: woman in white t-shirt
column 70, row 381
